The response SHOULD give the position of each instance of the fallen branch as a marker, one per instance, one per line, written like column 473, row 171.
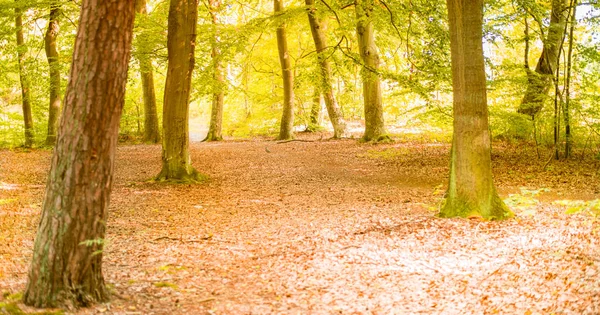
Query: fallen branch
column 297, row 140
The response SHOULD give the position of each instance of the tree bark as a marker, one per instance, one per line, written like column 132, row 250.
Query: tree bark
column 151, row 131
column 216, row 115
column 471, row 192
column 54, row 65
column 286, row 130
column 540, row 80
column 318, row 34
column 66, row 268
column 181, row 42
column 25, row 92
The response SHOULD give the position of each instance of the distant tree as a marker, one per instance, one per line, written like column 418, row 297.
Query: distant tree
column 286, row 130
column 374, row 123
column 23, row 75
column 325, row 76
column 181, row 41
column 218, row 98
column 471, row 191
column 54, row 65
column 540, row 80
column 151, row 131
column 66, row 268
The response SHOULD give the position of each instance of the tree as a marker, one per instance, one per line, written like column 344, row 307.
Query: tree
column 540, row 80
column 471, row 192
column 25, row 88
column 318, row 34
column 374, row 124
column 54, row 65
column 286, row 130
column 216, row 116
column 151, row 131
column 181, row 41
column 66, row 267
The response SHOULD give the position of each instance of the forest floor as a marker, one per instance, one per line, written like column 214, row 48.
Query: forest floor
column 326, row 227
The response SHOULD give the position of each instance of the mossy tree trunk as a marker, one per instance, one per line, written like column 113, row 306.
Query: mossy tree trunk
column 54, row 65
column 181, row 42
column 24, row 78
column 66, row 268
column 286, row 130
column 539, row 81
column 216, row 114
column 471, row 192
column 151, row 130
column 320, row 39
column 374, row 124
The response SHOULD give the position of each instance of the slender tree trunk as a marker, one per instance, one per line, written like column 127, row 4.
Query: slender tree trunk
column 54, row 65
column 471, row 192
column 181, row 41
column 25, row 93
column 66, row 268
column 374, row 124
column 318, row 34
column 540, row 81
column 287, row 119
column 151, row 131
column 567, row 114
column 216, row 115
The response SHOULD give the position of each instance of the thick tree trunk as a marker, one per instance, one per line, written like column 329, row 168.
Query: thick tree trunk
column 151, row 131
column 316, row 112
column 540, row 81
column 181, row 41
column 54, row 65
column 286, row 130
column 471, row 192
column 25, row 93
column 318, row 34
column 374, row 124
column 216, row 115
column 67, row 258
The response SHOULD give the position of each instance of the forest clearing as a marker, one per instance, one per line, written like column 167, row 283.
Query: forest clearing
column 325, row 227
column 299, row 157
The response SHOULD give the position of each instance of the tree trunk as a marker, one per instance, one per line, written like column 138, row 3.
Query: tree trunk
column 567, row 110
column 318, row 34
column 471, row 192
column 54, row 65
column 216, row 115
column 316, row 114
column 540, row 80
column 151, row 131
column 287, row 119
column 374, row 125
column 181, row 41
column 67, row 258
column 25, row 93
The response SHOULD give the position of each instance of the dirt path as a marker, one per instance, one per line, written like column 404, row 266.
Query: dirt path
column 321, row 228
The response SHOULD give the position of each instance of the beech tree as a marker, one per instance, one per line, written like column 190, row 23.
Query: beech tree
column 540, row 81
column 374, row 124
column 54, row 65
column 25, row 84
column 151, row 131
column 218, row 98
column 325, row 76
column 181, row 41
column 66, row 268
column 471, row 192
column 286, row 130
